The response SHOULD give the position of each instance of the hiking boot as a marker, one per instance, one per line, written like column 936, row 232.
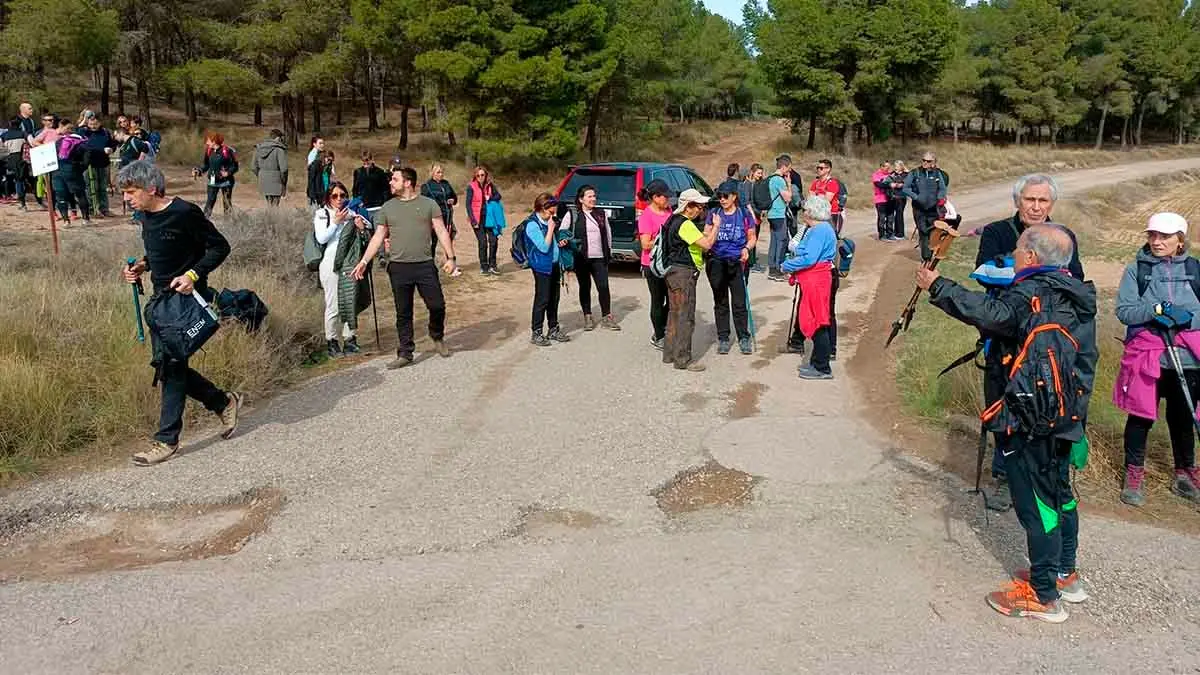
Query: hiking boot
column 157, row 453
column 745, row 346
column 1001, row 498
column 1187, row 483
column 440, row 347
column 1019, row 599
column 1131, row 489
column 108, row 214
column 333, row 349
column 539, row 340
column 693, row 367
column 494, row 272
column 350, row 346
column 400, row 362
column 810, row 373
column 610, row 323
column 557, row 335
column 775, row 276
column 723, row 346
column 22, row 207
column 1070, row 587
column 657, row 343
column 229, row 416
column 588, row 323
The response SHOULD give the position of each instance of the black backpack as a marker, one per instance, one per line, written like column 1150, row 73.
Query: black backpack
column 179, row 324
column 1146, row 269
column 243, row 305
column 760, row 196
column 1044, row 396
column 519, row 243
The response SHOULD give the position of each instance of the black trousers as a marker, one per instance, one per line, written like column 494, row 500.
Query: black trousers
column 423, row 278
column 588, row 270
column 883, row 219
column 924, row 224
column 798, row 337
column 658, row 303
column 728, row 287
column 1179, row 422
column 211, row 201
column 898, row 208
column 488, row 242
column 272, row 200
column 1039, row 477
column 70, row 190
column 547, row 289
column 821, row 350
column 179, row 382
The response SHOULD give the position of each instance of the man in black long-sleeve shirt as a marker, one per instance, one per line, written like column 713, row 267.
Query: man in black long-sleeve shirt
column 182, row 249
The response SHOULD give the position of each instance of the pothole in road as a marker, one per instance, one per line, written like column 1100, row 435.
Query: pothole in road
column 743, row 401
column 706, row 486
column 51, row 545
column 539, row 521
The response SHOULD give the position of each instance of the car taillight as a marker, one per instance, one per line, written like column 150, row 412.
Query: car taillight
column 639, row 182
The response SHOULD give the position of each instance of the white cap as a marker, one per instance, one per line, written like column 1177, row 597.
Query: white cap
column 1167, row 223
column 690, row 196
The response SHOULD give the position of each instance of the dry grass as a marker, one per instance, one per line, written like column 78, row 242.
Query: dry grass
column 1108, row 225
column 72, row 373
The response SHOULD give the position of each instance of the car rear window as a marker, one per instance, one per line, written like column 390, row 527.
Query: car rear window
column 611, row 185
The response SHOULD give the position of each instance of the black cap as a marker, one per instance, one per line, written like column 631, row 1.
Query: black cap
column 657, row 187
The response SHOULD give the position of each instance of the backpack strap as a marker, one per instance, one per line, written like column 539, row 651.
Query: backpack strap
column 1144, row 272
column 1192, row 266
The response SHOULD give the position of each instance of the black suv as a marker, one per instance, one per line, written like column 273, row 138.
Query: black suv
column 617, row 185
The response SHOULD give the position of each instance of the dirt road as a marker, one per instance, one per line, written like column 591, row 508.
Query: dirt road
column 517, row 509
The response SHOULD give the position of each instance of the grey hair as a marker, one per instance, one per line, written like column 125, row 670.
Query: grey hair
column 142, row 174
column 1034, row 179
column 818, row 209
column 782, row 161
column 1050, row 243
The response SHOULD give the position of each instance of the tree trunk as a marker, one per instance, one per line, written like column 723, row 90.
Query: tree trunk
column 258, row 115
column 189, row 104
column 298, row 102
column 847, row 142
column 441, row 115
column 120, row 93
column 1179, row 137
column 1137, row 133
column 372, row 111
column 424, row 117
column 954, row 125
column 337, row 108
column 143, row 98
column 812, row 131
column 104, row 77
column 288, row 111
column 1125, row 133
column 316, row 110
column 1053, row 136
column 404, row 124
column 1103, row 120
column 593, row 143
column 1020, row 128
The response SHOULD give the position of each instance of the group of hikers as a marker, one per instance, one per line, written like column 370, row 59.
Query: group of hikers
column 85, row 150
column 1036, row 314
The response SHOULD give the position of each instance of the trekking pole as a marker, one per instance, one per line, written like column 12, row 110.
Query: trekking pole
column 750, row 312
column 792, row 318
column 374, row 309
column 1177, row 363
column 137, row 305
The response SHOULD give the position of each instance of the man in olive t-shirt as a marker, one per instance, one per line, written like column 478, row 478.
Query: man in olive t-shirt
column 405, row 221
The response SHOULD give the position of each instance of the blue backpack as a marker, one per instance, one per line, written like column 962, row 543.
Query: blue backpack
column 845, row 256
column 155, row 142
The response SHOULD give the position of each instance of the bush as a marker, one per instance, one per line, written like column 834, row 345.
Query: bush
column 71, row 371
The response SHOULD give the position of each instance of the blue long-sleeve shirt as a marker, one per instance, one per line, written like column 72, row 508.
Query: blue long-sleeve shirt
column 818, row 245
column 543, row 257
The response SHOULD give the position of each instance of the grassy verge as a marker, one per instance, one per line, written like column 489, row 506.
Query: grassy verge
column 1108, row 225
column 72, row 373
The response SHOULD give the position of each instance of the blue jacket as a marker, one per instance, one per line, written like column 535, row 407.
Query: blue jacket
column 818, row 245
column 542, row 256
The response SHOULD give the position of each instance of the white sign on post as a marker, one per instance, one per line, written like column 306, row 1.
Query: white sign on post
column 44, row 159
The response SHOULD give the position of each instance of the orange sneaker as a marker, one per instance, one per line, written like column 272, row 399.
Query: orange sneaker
column 1019, row 599
column 1070, row 587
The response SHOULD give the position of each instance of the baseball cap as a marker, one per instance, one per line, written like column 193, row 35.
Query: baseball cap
column 657, row 187
column 1167, row 223
column 690, row 196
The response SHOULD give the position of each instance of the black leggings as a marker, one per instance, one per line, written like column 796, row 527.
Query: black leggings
column 658, row 303
column 586, row 270
column 1179, row 422
column 488, row 242
column 883, row 219
column 226, row 200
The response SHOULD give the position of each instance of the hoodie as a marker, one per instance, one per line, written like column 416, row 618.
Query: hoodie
column 271, row 167
column 1004, row 313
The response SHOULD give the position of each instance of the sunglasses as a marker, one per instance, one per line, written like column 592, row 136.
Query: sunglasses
column 338, row 195
column 727, row 196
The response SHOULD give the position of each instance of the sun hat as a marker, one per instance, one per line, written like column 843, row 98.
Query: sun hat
column 690, row 196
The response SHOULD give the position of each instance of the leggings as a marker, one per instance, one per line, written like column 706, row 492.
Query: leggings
column 1179, row 422
column 488, row 242
column 587, row 270
column 226, row 199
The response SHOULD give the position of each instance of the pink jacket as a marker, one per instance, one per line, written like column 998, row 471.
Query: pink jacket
column 1136, row 388
column 880, row 196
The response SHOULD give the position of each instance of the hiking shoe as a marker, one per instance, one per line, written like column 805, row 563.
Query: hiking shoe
column 693, row 367
column 1131, row 489
column 610, row 323
column 87, row 222
column 1001, row 498
column 229, row 416
column 1070, row 587
column 657, row 343
column 108, row 214
column 833, row 356
column 400, row 362
column 440, row 347
column 745, row 346
column 1187, row 483
column 157, row 453
column 557, row 335
column 494, row 272
column 810, row 373
column 775, row 276
column 539, row 340
column 1019, row 599
column 723, row 346
column 333, row 349
column 350, row 346
column 22, row 207
column 588, row 323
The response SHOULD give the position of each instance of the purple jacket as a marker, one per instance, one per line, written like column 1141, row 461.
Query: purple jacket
column 1136, row 388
